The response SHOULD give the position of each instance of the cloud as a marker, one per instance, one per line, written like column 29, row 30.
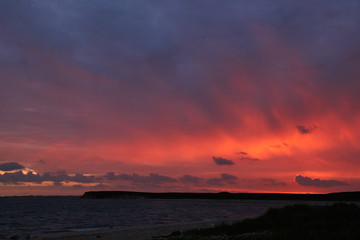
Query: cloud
column 250, row 159
column 11, row 166
column 88, row 77
column 57, row 177
column 283, row 145
column 305, row 130
column 306, row 181
column 151, row 179
column 241, row 153
column 223, row 180
column 20, row 177
column 273, row 182
column 189, row 179
column 82, row 178
column 222, row 161
column 95, row 187
column 110, row 176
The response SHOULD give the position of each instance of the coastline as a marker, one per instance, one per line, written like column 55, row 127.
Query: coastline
column 128, row 233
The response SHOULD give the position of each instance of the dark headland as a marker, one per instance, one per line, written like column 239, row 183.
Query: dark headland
column 340, row 196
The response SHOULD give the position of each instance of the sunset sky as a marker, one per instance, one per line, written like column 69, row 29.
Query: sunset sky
column 180, row 95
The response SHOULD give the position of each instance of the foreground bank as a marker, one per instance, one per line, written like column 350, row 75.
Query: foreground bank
column 297, row 222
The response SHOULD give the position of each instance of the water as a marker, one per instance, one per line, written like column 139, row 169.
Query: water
column 36, row 215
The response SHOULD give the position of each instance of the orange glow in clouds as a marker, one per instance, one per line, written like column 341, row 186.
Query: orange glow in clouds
column 244, row 105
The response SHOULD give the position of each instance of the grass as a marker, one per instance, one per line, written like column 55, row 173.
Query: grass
column 340, row 221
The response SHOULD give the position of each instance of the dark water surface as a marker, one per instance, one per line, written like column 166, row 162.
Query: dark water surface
column 35, row 215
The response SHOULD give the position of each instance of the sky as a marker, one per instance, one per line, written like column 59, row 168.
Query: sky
column 165, row 96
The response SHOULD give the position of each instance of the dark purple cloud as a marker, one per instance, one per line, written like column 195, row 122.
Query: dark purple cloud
column 10, row 166
column 96, row 187
column 223, row 180
column 305, row 130
column 241, row 153
column 108, row 39
column 56, row 177
column 20, row 177
column 42, row 161
column 272, row 182
column 250, row 159
column 189, row 179
column 157, row 180
column 222, row 161
column 151, row 179
column 316, row 182
column 283, row 145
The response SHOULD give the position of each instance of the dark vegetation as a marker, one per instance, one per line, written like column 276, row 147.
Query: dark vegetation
column 342, row 196
column 340, row 221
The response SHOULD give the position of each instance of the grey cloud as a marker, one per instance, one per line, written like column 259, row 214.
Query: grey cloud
column 250, row 159
column 57, row 184
column 241, row 153
column 305, row 130
column 190, row 179
column 228, row 177
column 10, row 166
column 82, row 178
column 110, row 176
column 283, row 145
column 273, row 182
column 93, row 35
column 316, row 182
column 20, row 177
column 222, row 161
column 96, row 187
column 215, row 182
column 152, row 178
column 57, row 177
column 223, row 180
column 161, row 178
column 42, row 161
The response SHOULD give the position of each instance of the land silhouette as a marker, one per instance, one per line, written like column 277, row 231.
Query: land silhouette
column 339, row 196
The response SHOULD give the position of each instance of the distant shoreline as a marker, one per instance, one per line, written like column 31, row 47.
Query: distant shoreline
column 340, row 196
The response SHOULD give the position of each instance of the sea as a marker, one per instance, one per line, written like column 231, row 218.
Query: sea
column 33, row 215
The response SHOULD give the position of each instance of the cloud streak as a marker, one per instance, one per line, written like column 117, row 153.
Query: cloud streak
column 250, row 159
column 272, row 182
column 153, row 179
column 316, row 182
column 57, row 178
column 225, row 179
column 189, row 179
column 305, row 130
column 10, row 166
column 222, row 161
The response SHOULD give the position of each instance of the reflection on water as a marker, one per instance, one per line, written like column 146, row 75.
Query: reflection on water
column 33, row 215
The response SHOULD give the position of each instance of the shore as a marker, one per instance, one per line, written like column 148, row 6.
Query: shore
column 127, row 233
